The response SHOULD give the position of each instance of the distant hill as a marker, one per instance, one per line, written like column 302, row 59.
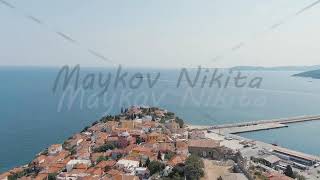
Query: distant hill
column 312, row 74
column 277, row 68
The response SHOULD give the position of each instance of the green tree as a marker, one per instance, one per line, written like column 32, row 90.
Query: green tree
column 177, row 172
column 194, row 167
column 52, row 176
column 163, row 120
column 155, row 166
column 288, row 172
column 104, row 148
column 85, row 129
column 101, row 158
column 138, row 140
column 169, row 155
column 180, row 122
column 159, row 156
column 73, row 151
column 174, row 176
column 169, row 115
column 94, row 123
column 13, row 177
column 147, row 162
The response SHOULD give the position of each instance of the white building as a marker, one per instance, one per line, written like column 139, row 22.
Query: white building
column 128, row 165
column 142, row 171
column 68, row 176
column 54, row 149
column 74, row 162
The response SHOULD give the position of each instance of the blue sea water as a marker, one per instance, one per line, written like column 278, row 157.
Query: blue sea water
column 298, row 136
column 33, row 116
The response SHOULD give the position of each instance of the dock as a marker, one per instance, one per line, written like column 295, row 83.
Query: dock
column 259, row 125
column 249, row 128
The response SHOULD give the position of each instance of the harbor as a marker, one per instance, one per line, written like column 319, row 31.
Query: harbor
column 259, row 125
column 268, row 156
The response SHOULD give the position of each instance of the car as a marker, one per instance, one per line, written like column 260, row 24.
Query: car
column 316, row 165
column 228, row 138
column 245, row 146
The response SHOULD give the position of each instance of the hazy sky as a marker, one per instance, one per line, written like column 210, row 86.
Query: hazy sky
column 160, row 33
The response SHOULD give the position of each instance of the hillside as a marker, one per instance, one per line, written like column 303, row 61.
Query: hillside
column 312, row 74
column 276, row 68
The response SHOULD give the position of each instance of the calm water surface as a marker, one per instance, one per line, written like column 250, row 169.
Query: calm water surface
column 299, row 136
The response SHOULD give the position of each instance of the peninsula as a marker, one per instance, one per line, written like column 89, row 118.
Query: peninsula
column 152, row 143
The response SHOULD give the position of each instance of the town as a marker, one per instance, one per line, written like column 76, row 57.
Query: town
column 149, row 143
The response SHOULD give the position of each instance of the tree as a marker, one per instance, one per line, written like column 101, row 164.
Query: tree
column 155, row 166
column 138, row 140
column 104, row 148
column 101, row 158
column 174, row 176
column 85, row 129
column 180, row 122
column 52, row 176
column 288, row 171
column 159, row 157
column 147, row 162
column 117, row 118
column 169, row 155
column 73, row 151
column 169, row 115
column 94, row 123
column 178, row 170
column 162, row 120
column 12, row 177
column 194, row 167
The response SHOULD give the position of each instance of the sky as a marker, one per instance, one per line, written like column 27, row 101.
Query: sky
column 159, row 33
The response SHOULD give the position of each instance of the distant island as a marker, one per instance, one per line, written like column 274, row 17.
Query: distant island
column 311, row 74
column 277, row 68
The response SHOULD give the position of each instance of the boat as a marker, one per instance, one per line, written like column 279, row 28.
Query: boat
column 139, row 76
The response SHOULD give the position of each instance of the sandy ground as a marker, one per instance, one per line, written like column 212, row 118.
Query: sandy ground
column 212, row 172
column 232, row 144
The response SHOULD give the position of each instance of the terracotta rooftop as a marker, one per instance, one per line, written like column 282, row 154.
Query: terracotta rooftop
column 177, row 160
column 113, row 172
column 104, row 164
column 41, row 177
column 141, row 149
column 113, row 139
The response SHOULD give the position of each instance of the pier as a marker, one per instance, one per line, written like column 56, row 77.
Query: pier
column 259, row 125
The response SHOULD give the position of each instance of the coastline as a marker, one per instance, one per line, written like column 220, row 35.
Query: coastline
column 249, row 127
column 148, row 130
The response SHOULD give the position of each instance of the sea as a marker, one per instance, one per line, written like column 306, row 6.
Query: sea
column 39, row 106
